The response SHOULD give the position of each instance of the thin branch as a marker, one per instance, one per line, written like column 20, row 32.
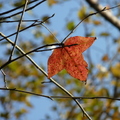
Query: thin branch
column 32, row 25
column 107, row 15
column 12, row 10
column 59, row 97
column 10, row 21
column 36, row 50
column 18, row 29
column 80, row 23
column 99, row 11
column 4, row 78
column 28, row 92
column 57, row 84
column 2, row 18
column 98, row 97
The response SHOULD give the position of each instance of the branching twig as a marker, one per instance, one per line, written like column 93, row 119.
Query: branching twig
column 8, row 21
column 99, row 11
column 80, row 23
column 2, row 18
column 40, row 69
column 12, row 10
column 32, row 25
column 35, row 50
column 16, row 38
column 107, row 15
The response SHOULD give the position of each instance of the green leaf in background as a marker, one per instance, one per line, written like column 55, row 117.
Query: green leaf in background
column 23, row 75
column 105, row 34
column 18, row 3
column 70, row 25
column 44, row 18
column 1, row 5
column 49, row 39
column 116, row 70
column 82, row 13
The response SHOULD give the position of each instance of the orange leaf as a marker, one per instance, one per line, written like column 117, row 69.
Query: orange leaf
column 71, row 58
column 51, row 2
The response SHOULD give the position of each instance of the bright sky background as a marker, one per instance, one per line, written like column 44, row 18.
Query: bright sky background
column 63, row 13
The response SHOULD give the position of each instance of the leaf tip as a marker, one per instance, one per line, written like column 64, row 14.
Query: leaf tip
column 95, row 38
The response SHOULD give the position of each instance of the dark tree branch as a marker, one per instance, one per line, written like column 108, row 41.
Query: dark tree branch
column 8, row 21
column 18, row 29
column 80, row 23
column 98, row 97
column 107, row 14
column 59, row 97
column 32, row 25
column 12, row 10
column 36, row 50
column 2, row 18
column 23, row 91
column 101, row 11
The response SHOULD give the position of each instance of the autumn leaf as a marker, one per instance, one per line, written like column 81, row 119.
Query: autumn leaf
column 70, row 57
column 52, row 2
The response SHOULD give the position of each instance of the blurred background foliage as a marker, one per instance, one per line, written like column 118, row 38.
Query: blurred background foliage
column 103, row 59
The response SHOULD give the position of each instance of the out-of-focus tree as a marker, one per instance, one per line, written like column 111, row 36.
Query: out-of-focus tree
column 21, row 75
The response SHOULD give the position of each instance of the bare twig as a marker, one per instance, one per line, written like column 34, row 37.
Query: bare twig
column 107, row 15
column 32, row 25
column 8, row 21
column 59, row 97
column 28, row 92
column 80, row 23
column 57, row 84
column 5, row 82
column 16, row 38
column 2, row 18
column 99, row 11
column 62, row 88
column 35, row 50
